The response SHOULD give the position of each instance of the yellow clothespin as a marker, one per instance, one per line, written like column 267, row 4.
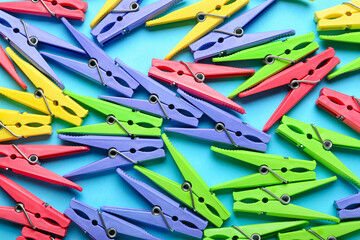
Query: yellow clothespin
column 15, row 125
column 48, row 98
column 209, row 14
column 343, row 16
column 105, row 10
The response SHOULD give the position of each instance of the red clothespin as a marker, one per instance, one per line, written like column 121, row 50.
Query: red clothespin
column 190, row 77
column 72, row 9
column 6, row 63
column 301, row 78
column 31, row 211
column 24, row 160
column 31, row 234
column 342, row 106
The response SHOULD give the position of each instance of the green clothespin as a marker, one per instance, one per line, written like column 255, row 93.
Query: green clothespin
column 273, row 170
column 120, row 120
column 327, row 232
column 350, row 67
column 252, row 232
column 317, row 142
column 353, row 37
column 275, row 201
column 194, row 192
column 276, row 55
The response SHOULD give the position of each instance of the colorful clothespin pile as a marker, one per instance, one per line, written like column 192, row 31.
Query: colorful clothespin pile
column 130, row 132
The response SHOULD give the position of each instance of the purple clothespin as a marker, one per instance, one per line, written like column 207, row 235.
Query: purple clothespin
column 162, row 101
column 25, row 38
column 348, row 208
column 126, row 16
column 100, row 66
column 228, row 129
column 165, row 213
column 103, row 226
column 231, row 37
column 122, row 151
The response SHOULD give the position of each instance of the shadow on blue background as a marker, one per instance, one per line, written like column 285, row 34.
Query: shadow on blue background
column 137, row 49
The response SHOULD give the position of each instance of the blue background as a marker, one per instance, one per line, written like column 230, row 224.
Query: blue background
column 137, row 49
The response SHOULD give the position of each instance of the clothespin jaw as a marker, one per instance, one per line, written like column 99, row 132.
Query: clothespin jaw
column 275, row 201
column 32, row 211
column 209, row 14
column 120, row 120
column 273, row 170
column 27, row 38
column 255, row 231
column 165, row 213
column 104, row 11
column 190, row 77
column 121, row 151
column 317, row 142
column 341, row 17
column 301, row 78
column 232, row 36
column 228, row 128
column 347, row 208
column 48, row 98
column 352, row 37
column 333, row 231
column 101, row 225
column 194, row 192
column 15, row 125
column 6, row 63
column 350, row 67
column 74, row 9
column 342, row 106
column 29, row 234
column 276, row 55
column 126, row 16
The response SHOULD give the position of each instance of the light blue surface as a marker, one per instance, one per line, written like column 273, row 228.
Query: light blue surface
column 137, row 49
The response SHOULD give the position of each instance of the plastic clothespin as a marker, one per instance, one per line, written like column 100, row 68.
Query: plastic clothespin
column 276, row 56
column 344, row 107
column 318, row 143
column 72, row 9
column 104, row 11
column 340, row 17
column 301, row 78
column 165, row 213
column 119, row 120
column 127, row 16
column 6, row 63
column 208, row 13
column 101, row 225
column 275, row 201
column 26, row 38
column 273, row 170
column 352, row 37
column 47, row 98
column 100, row 67
column 121, row 151
column 25, row 160
column 162, row 102
column 31, row 211
column 348, row 208
column 191, row 78
column 252, row 232
column 31, row 234
column 350, row 67
column 231, row 37
column 228, row 129
column 194, row 192
column 328, row 232
column 15, row 125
